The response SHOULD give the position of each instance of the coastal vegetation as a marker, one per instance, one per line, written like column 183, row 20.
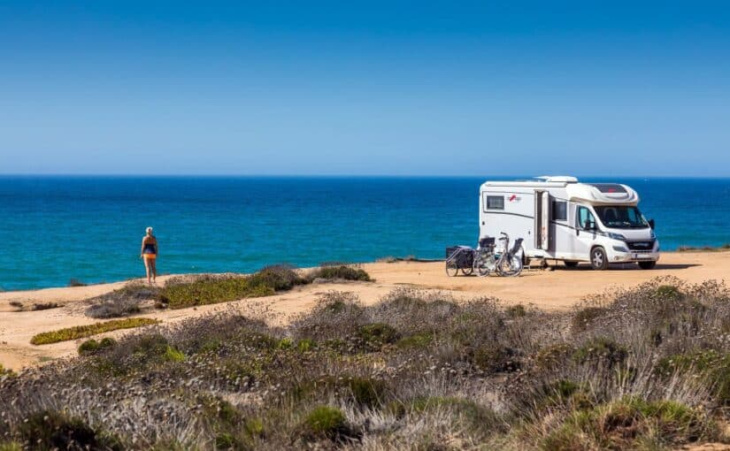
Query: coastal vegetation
column 76, row 283
column 74, row 333
column 4, row 371
column 643, row 368
column 191, row 291
column 19, row 307
column 339, row 272
column 724, row 247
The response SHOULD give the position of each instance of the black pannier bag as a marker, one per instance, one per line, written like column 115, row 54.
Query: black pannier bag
column 463, row 256
column 486, row 242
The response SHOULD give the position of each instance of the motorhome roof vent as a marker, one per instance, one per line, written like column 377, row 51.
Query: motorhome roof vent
column 558, row 179
column 609, row 188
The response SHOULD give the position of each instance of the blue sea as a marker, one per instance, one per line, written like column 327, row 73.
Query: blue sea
column 53, row 229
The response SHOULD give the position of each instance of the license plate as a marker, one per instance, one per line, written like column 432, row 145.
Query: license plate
column 641, row 256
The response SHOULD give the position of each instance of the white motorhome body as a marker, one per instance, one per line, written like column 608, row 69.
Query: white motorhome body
column 562, row 219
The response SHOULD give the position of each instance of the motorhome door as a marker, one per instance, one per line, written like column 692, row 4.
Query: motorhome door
column 542, row 220
column 585, row 231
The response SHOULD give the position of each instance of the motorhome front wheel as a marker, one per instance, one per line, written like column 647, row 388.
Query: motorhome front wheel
column 599, row 260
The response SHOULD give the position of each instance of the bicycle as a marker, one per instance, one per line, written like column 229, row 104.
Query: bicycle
column 509, row 263
column 485, row 261
column 505, row 263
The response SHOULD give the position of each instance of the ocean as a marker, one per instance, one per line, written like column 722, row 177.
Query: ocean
column 54, row 229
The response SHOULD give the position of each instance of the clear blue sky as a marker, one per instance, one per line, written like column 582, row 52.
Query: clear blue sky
column 374, row 87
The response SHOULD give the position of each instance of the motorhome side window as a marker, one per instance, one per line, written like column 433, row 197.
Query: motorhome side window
column 560, row 210
column 584, row 216
column 495, row 202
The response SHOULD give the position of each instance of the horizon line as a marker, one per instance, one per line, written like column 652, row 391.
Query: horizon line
column 411, row 176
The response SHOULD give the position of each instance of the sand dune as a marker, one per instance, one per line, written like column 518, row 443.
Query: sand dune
column 549, row 290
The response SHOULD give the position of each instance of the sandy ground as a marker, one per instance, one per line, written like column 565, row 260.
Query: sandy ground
column 549, row 290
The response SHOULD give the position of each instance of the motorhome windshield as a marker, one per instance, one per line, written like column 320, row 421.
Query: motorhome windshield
column 621, row 217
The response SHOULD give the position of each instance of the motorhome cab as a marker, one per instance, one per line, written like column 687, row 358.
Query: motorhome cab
column 561, row 219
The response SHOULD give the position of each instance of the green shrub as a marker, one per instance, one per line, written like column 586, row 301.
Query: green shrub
column 565, row 393
column 584, row 317
column 278, row 277
column 495, row 358
column 367, row 392
column 150, row 345
column 668, row 292
column 362, row 391
column 325, row 419
column 225, row 441
column 340, row 272
column 326, row 422
column 5, row 372
column 210, row 290
column 254, row 427
column 554, row 356
column 74, row 333
column 376, row 335
column 156, row 348
column 306, row 345
column 418, row 340
column 285, row 343
column 179, row 293
column 173, row 355
column 601, row 350
column 628, row 423
column 515, row 311
column 92, row 346
column 210, row 345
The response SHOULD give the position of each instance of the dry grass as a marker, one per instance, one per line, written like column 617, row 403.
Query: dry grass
column 645, row 369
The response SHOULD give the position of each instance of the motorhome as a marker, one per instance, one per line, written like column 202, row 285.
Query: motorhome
column 562, row 219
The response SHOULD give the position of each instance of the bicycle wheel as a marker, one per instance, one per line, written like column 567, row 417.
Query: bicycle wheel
column 467, row 270
column 510, row 266
column 451, row 268
column 515, row 266
column 484, row 264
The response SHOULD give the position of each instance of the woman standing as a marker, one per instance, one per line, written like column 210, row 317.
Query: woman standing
column 149, row 255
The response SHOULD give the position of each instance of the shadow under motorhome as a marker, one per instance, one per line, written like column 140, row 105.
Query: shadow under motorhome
column 562, row 219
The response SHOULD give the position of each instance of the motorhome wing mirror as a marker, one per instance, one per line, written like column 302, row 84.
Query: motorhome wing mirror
column 589, row 225
column 652, row 224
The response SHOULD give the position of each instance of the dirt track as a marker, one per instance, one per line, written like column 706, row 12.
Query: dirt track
column 549, row 290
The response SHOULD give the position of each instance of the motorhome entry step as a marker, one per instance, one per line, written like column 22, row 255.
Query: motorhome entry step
column 536, row 263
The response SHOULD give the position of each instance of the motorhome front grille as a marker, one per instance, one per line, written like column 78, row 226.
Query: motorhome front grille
column 645, row 246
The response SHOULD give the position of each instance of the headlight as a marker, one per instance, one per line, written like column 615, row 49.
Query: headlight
column 616, row 236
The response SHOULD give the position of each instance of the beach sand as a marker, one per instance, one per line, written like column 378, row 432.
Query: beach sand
column 552, row 290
